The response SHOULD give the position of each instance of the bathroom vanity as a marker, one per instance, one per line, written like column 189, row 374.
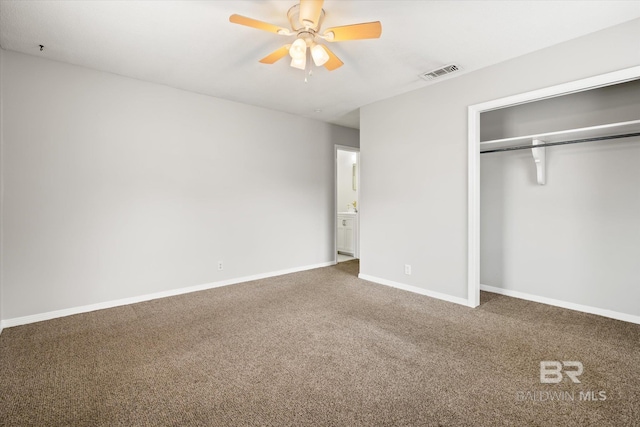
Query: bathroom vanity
column 347, row 236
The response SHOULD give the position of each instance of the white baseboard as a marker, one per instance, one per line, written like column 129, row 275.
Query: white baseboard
column 16, row 321
column 564, row 304
column 415, row 289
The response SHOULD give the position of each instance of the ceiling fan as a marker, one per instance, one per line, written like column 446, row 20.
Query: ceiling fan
column 306, row 19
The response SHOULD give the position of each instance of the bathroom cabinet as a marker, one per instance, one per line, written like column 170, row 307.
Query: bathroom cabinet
column 347, row 233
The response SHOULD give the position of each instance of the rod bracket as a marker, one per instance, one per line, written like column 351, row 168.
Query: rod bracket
column 539, row 156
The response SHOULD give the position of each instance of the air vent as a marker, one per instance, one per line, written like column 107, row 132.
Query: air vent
column 434, row 74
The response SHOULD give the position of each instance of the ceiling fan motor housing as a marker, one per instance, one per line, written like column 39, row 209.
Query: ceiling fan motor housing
column 294, row 19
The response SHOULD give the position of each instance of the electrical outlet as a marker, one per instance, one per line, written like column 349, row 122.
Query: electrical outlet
column 220, row 265
column 407, row 269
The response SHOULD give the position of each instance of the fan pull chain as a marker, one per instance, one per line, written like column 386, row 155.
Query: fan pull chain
column 308, row 75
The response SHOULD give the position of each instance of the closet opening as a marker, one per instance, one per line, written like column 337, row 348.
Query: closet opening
column 554, row 196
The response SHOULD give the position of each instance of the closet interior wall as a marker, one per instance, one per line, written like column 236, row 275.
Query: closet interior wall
column 577, row 238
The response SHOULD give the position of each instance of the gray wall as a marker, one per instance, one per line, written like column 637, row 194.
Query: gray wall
column 417, row 214
column 610, row 104
column 115, row 188
column 575, row 239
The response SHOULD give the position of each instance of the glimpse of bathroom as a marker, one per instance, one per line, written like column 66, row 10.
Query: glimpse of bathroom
column 347, row 205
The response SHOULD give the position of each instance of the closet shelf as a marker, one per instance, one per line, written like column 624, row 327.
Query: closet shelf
column 539, row 142
column 600, row 131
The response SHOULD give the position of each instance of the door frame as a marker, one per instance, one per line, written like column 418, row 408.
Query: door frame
column 356, row 150
column 473, row 189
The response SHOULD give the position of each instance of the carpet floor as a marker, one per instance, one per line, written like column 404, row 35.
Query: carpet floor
column 319, row 348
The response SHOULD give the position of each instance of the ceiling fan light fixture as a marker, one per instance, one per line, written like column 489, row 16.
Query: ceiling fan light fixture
column 299, row 63
column 319, row 55
column 305, row 19
column 298, row 49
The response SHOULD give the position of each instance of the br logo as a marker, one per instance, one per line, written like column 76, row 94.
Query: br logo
column 551, row 371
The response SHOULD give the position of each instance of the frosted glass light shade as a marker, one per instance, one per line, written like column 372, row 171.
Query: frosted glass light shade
column 299, row 63
column 298, row 49
column 319, row 54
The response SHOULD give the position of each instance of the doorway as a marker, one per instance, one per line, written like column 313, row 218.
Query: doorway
column 347, row 203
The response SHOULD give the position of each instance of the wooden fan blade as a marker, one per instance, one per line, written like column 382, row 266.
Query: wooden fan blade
column 333, row 62
column 310, row 11
column 276, row 55
column 260, row 25
column 367, row 30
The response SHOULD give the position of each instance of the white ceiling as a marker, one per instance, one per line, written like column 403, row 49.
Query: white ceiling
column 191, row 45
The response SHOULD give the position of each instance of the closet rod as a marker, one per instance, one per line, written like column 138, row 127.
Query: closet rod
column 550, row 144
